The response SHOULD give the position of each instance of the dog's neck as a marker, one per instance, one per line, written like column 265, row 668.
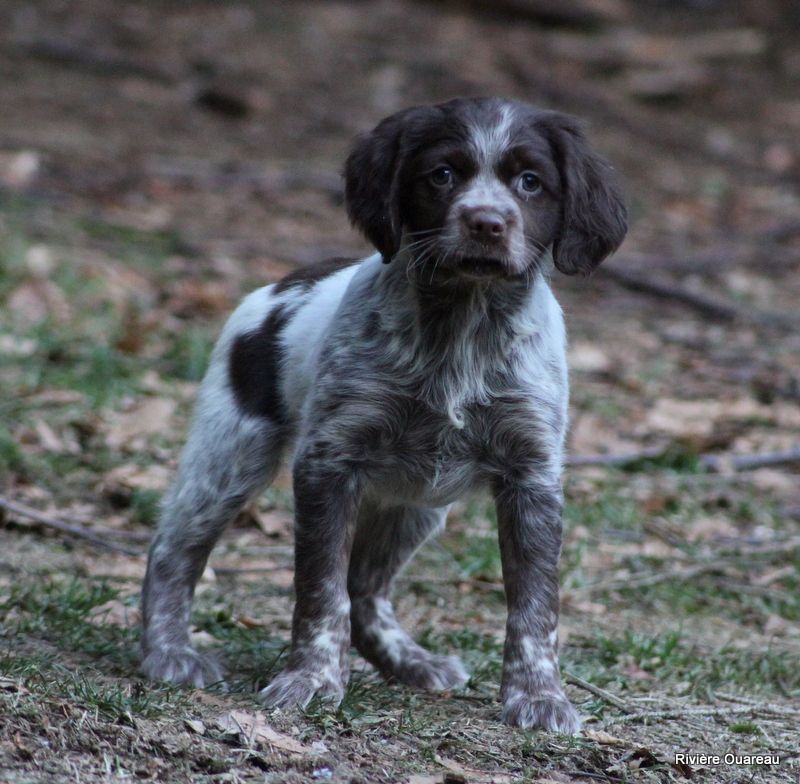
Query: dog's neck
column 453, row 340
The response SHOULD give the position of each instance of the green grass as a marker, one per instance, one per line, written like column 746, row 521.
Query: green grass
column 255, row 656
column 44, row 677
column 186, row 354
column 680, row 665
column 139, row 247
column 58, row 611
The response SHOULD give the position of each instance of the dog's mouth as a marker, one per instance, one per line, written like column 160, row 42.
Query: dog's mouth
column 482, row 266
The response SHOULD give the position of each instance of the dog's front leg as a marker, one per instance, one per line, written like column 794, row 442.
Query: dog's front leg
column 529, row 525
column 326, row 502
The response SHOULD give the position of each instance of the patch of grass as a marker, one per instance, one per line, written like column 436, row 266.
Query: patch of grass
column 612, row 508
column 68, row 359
column 145, row 506
column 119, row 702
column 255, row 655
column 745, row 728
column 134, row 245
column 187, row 356
column 12, row 458
column 58, row 611
column 674, row 662
column 479, row 557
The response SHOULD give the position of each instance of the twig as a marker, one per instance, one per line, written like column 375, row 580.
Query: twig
column 105, row 63
column 751, row 462
column 221, row 175
column 712, row 308
column 614, row 461
column 711, row 462
column 719, row 563
column 707, row 306
column 230, row 571
column 596, row 690
column 681, row 712
column 74, row 530
column 644, row 580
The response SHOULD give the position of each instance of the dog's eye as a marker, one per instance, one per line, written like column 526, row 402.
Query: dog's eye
column 442, row 176
column 530, row 182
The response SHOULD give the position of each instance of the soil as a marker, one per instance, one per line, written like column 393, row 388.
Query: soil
column 158, row 160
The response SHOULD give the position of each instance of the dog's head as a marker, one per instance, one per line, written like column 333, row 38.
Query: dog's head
column 482, row 187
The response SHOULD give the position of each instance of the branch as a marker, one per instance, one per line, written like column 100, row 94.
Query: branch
column 723, row 558
column 74, row 530
column 682, row 711
column 596, row 690
column 105, row 63
column 711, row 462
column 712, row 308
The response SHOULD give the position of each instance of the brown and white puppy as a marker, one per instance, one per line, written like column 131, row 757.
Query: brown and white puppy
column 398, row 383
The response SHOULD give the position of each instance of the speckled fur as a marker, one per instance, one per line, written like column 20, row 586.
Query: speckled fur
column 398, row 383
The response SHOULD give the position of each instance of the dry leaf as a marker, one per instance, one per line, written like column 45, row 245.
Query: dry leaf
column 202, row 639
column 10, row 685
column 252, row 728
column 130, row 476
column 588, row 357
column 37, row 300
column 115, row 613
column 130, row 429
column 196, row 726
column 250, row 623
column 15, row 346
column 19, row 169
column 603, row 738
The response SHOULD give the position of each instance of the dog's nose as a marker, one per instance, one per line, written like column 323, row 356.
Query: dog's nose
column 485, row 224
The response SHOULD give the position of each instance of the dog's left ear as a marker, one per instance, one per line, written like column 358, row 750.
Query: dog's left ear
column 594, row 218
column 371, row 181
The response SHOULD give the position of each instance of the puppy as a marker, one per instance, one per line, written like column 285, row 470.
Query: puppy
column 398, row 383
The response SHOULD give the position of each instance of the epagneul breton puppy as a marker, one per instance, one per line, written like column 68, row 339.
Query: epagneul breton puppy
column 397, row 383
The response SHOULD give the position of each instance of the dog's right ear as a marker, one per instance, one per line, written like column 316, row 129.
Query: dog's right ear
column 371, row 182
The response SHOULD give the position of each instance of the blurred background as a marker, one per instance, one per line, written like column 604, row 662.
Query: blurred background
column 160, row 159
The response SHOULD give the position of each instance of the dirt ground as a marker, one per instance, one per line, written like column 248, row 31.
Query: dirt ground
column 158, row 160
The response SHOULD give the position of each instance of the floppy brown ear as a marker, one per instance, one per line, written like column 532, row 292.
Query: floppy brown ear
column 594, row 218
column 371, row 182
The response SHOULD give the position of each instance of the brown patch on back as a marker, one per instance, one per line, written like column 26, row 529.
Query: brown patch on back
column 311, row 274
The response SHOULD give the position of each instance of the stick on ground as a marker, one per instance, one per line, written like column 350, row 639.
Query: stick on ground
column 87, row 534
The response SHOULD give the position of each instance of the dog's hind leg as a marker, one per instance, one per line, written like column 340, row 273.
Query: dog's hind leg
column 385, row 541
column 229, row 458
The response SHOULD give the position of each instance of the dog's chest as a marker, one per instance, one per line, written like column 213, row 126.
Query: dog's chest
column 424, row 458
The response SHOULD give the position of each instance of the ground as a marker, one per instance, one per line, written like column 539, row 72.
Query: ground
column 159, row 160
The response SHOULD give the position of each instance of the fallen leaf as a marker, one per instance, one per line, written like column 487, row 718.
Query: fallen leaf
column 195, row 725
column 19, row 169
column 130, row 476
column 202, row 639
column 252, row 728
column 15, row 346
column 271, row 523
column 10, row 685
column 37, row 300
column 115, row 613
column 603, row 738
column 588, row 357
column 148, row 417
column 250, row 623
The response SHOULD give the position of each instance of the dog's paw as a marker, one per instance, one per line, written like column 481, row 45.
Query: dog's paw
column 297, row 687
column 181, row 665
column 425, row 670
column 551, row 712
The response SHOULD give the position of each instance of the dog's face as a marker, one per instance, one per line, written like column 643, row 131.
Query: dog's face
column 478, row 188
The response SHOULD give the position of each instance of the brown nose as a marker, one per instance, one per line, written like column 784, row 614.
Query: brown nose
column 485, row 224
